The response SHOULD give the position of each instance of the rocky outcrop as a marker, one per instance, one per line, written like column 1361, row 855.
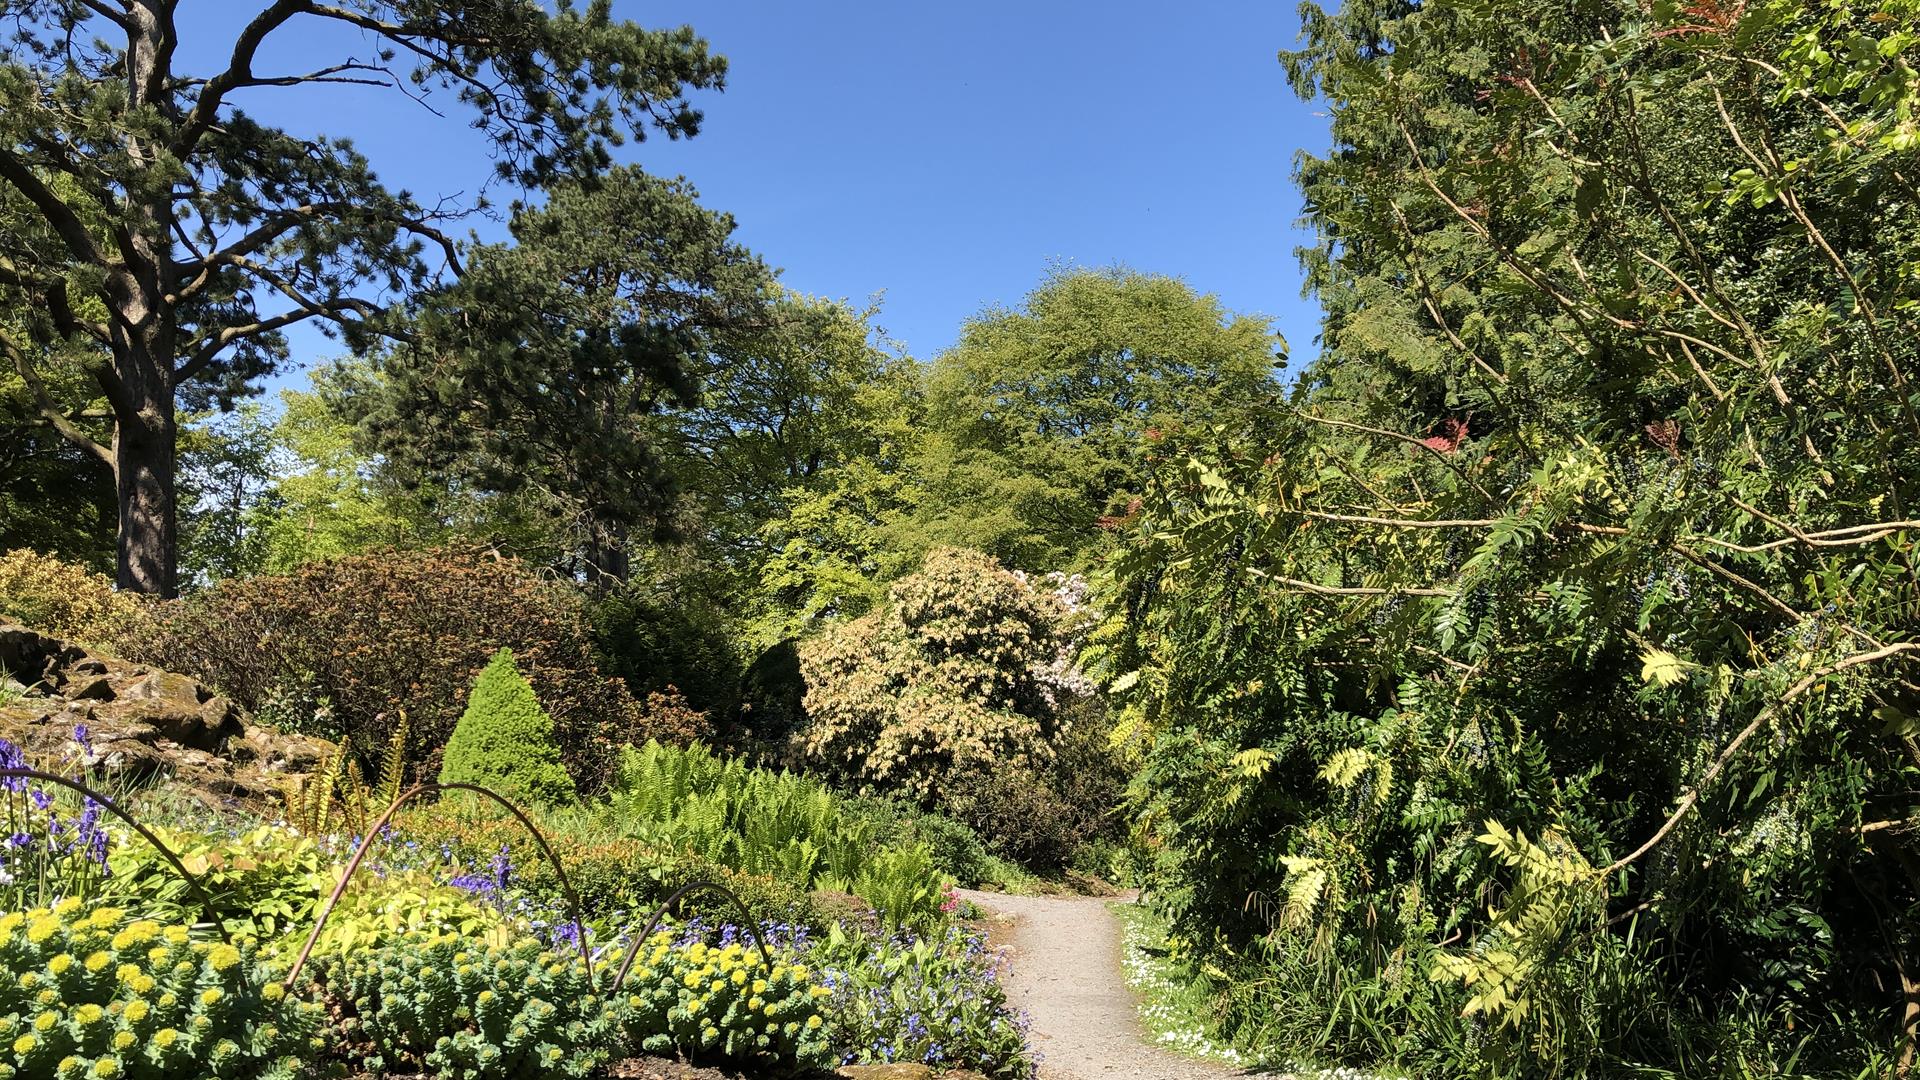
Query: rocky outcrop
column 142, row 723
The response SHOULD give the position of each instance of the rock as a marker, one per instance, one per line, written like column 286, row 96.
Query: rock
column 143, row 724
column 97, row 688
column 898, row 1070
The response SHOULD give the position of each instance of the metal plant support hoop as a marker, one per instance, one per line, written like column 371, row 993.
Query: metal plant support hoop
column 746, row 923
column 206, row 898
column 373, row 833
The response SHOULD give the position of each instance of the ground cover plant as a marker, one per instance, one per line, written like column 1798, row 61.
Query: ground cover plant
column 451, row 968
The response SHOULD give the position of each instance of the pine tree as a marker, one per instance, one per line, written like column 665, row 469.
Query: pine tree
column 504, row 740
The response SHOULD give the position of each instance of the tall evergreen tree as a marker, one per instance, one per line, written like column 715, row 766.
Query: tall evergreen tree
column 152, row 221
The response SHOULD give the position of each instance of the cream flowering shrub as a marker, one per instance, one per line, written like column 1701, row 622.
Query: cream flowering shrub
column 89, row 993
column 723, row 1000
column 950, row 675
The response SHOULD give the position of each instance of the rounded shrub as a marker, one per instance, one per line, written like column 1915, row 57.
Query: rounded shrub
column 950, row 676
column 504, row 740
column 461, row 1009
column 63, row 599
column 90, row 993
column 372, row 635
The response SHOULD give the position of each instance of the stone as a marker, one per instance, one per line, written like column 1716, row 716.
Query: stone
column 97, row 688
column 897, row 1070
column 143, row 723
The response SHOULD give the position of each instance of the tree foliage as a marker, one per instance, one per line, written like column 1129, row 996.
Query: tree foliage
column 1532, row 695
column 152, row 227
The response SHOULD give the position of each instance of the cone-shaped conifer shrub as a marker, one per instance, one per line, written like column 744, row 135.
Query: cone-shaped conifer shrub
column 505, row 739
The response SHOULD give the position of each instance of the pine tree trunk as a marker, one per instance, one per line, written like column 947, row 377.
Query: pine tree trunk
column 143, row 463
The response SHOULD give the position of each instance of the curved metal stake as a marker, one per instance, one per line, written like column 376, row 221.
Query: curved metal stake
column 660, row 912
column 206, row 898
column 373, row 833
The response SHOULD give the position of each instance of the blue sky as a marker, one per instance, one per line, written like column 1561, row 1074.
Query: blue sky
column 942, row 154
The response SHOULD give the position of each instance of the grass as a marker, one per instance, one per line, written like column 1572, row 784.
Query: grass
column 1176, row 1015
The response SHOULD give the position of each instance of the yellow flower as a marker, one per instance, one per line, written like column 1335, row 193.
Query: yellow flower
column 140, row 983
column 165, row 1038
column 223, row 957
column 105, row 918
column 97, row 962
column 24, row 1045
column 755, row 1004
column 10, row 922
column 692, row 980
column 67, row 907
column 59, row 964
column 813, row 1022
column 739, row 978
column 48, row 997
column 137, row 1011
column 29, row 980
column 42, row 929
column 157, row 955
column 124, row 1039
column 819, row 992
column 210, row 996
column 45, row 1022
column 176, row 934
column 717, row 985
column 759, row 986
column 274, row 991
column 107, row 1068
column 88, row 1014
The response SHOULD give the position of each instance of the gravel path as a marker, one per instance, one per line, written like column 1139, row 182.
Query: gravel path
column 1066, row 974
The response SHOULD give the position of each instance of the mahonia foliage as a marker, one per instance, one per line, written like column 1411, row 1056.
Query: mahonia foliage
column 949, row 675
column 1539, row 684
column 504, row 740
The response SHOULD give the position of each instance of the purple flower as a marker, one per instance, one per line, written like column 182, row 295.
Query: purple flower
column 501, row 867
column 20, row 840
column 12, row 758
column 41, row 800
column 80, row 738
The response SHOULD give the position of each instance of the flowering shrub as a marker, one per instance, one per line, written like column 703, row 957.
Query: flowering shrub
column 92, row 994
column 692, row 997
column 63, row 599
column 932, row 999
column 949, row 676
column 467, row 1010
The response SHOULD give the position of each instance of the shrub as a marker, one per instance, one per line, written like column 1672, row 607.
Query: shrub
column 467, row 1010
column 1041, row 816
column 372, row 635
column 724, row 1001
column 92, row 994
column 951, row 675
column 261, row 882
column 63, row 599
column 504, row 740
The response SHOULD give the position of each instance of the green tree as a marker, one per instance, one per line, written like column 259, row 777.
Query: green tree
column 1040, row 418
column 1533, row 695
column 547, row 366
column 504, row 740
column 157, row 225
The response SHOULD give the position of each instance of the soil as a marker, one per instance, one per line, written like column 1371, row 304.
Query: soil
column 1066, row 974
